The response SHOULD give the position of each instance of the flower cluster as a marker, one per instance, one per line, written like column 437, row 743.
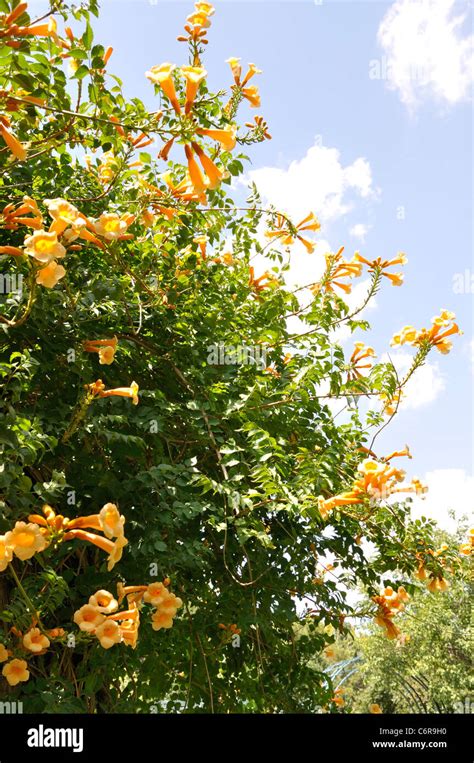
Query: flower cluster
column 377, row 480
column 9, row 28
column 442, row 326
column 13, row 34
column 466, row 548
column 389, row 604
column 240, row 85
column 101, row 618
column 258, row 129
column 15, row 215
column 435, row 580
column 391, row 402
column 203, row 174
column 287, row 234
column 36, row 642
column 197, row 24
column 107, row 168
column 46, row 247
column 166, row 605
column 197, row 182
column 110, row 522
column 265, row 281
column 337, row 268
column 379, row 266
column 27, row 539
column 361, row 352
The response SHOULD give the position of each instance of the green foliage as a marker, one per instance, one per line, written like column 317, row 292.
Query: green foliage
column 219, row 468
column 428, row 671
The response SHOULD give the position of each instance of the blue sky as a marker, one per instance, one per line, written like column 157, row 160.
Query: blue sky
column 392, row 147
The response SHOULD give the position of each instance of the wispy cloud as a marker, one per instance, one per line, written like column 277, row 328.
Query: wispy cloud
column 359, row 231
column 318, row 182
column 429, row 52
column 450, row 498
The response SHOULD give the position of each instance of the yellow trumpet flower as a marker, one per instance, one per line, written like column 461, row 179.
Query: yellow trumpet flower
column 104, row 601
column 25, row 540
column 226, row 137
column 64, row 215
column 194, row 75
column 88, row 618
column 16, row 671
column 381, row 265
column 195, row 174
column 108, row 633
column 50, row 274
column 131, row 392
column 35, row 641
column 162, row 76
column 44, row 246
column 105, row 348
column 6, row 553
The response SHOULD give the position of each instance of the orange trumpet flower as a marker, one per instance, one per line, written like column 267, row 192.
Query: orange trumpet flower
column 213, row 172
column 131, row 392
column 195, row 173
column 11, row 140
column 226, row 137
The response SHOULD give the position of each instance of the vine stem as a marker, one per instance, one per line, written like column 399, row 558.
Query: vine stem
column 31, row 606
column 78, row 416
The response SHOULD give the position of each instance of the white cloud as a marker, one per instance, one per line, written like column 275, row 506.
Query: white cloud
column 471, row 350
column 318, row 182
column 359, row 231
column 424, row 386
column 428, row 51
column 353, row 300
column 451, row 491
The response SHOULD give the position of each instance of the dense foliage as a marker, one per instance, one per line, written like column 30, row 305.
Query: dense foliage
column 123, row 271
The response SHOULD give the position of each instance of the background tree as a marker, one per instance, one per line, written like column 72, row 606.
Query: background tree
column 427, row 669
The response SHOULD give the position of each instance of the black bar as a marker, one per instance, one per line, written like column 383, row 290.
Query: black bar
column 234, row 737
